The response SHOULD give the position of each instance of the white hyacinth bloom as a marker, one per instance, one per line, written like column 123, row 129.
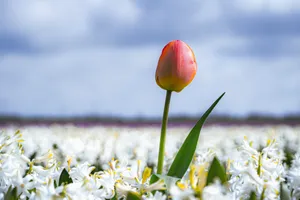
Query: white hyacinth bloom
column 258, row 171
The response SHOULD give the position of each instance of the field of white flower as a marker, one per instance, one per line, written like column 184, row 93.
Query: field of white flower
column 68, row 162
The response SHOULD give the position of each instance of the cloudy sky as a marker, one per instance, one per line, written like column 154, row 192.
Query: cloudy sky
column 74, row 57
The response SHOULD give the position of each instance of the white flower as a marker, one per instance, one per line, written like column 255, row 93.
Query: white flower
column 47, row 191
column 46, row 158
column 216, row 191
column 179, row 194
column 250, row 169
column 81, row 172
column 122, row 189
column 293, row 177
column 261, row 172
column 23, row 185
column 12, row 161
column 156, row 196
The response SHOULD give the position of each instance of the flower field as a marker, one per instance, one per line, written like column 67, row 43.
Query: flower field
column 68, row 162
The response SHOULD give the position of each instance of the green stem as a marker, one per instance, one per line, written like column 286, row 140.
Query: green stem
column 161, row 153
column 262, row 197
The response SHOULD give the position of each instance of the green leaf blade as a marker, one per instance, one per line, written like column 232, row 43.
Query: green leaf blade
column 216, row 170
column 153, row 178
column 11, row 194
column 187, row 150
column 64, row 178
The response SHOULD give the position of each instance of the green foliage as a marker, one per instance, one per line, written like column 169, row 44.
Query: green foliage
column 153, row 178
column 289, row 156
column 133, row 196
column 186, row 152
column 252, row 196
column 115, row 197
column 262, row 196
column 216, row 169
column 55, row 184
column 284, row 192
column 32, row 156
column 64, row 178
column 11, row 194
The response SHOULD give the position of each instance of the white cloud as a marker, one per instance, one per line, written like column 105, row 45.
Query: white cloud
column 56, row 23
column 275, row 6
column 81, row 68
column 78, row 81
column 121, row 81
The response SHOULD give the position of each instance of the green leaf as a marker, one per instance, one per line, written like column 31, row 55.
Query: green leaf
column 252, row 196
column 115, row 197
column 64, row 178
column 284, row 192
column 216, row 169
column 153, row 178
column 55, row 184
column 11, row 194
column 289, row 156
column 187, row 150
column 133, row 196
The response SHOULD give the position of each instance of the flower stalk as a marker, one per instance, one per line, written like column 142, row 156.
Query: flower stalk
column 161, row 153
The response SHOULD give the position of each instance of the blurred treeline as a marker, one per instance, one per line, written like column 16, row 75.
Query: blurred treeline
column 140, row 121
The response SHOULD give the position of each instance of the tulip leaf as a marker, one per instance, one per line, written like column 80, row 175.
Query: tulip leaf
column 133, row 196
column 187, row 150
column 64, row 178
column 216, row 169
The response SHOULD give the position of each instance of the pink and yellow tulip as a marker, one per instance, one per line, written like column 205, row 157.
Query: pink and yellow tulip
column 176, row 67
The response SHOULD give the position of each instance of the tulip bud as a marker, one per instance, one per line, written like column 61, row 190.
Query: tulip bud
column 176, row 66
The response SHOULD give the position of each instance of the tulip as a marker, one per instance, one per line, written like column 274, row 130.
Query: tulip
column 175, row 70
column 176, row 66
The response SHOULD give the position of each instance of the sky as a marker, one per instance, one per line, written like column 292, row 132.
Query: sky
column 98, row 57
